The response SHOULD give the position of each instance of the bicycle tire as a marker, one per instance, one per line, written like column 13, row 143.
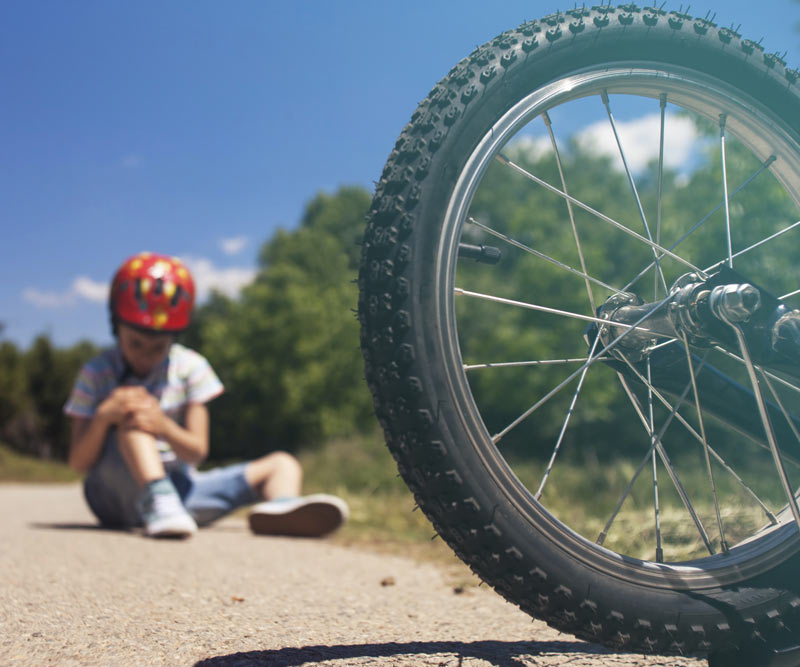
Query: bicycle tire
column 441, row 447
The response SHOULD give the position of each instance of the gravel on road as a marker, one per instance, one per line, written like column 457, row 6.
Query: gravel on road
column 73, row 594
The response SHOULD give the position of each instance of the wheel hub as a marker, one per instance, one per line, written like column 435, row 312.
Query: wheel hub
column 704, row 311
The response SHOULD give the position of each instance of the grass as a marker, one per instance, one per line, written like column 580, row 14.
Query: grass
column 383, row 513
column 15, row 467
column 584, row 497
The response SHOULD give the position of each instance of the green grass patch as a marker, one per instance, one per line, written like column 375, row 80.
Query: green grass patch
column 383, row 513
column 585, row 497
column 15, row 467
column 362, row 471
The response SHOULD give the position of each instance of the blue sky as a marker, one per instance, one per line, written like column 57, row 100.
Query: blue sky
column 198, row 128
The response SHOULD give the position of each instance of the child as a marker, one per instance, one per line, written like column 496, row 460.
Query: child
column 140, row 424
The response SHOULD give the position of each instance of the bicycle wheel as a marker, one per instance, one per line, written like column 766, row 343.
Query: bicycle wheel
column 572, row 276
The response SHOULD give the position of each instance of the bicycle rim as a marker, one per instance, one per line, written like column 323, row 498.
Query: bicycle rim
column 537, row 484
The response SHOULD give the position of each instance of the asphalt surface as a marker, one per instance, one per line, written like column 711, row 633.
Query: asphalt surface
column 73, row 594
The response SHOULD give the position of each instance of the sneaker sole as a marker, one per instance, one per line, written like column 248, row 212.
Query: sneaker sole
column 179, row 531
column 173, row 535
column 313, row 519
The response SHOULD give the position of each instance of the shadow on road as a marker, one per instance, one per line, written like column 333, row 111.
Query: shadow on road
column 77, row 526
column 499, row 654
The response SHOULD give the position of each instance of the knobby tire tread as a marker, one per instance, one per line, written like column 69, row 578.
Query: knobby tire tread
column 408, row 401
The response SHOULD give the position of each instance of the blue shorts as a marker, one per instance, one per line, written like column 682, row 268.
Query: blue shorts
column 112, row 493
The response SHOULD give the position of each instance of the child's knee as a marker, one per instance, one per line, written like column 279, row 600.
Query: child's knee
column 285, row 463
column 278, row 466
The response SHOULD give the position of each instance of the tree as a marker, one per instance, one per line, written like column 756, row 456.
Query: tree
column 287, row 350
column 34, row 385
column 539, row 219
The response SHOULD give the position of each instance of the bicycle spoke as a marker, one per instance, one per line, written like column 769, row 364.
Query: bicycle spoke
column 656, row 503
column 764, row 166
column 568, row 416
column 785, row 413
column 673, row 414
column 653, row 441
column 762, row 411
column 722, row 121
column 540, row 362
column 772, row 376
column 756, row 245
column 659, row 448
column 543, row 309
column 665, row 403
column 664, row 252
column 632, row 183
column 541, row 255
column 660, row 181
column 709, row 470
column 625, row 493
column 548, row 124
column 499, row 436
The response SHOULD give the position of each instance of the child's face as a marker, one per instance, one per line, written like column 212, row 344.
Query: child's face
column 143, row 352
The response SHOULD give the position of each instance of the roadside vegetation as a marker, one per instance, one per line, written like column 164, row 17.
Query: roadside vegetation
column 287, row 349
column 16, row 467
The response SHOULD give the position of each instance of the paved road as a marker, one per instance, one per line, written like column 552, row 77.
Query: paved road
column 71, row 594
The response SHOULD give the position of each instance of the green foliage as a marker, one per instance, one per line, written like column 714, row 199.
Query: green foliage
column 287, row 350
column 603, row 422
column 14, row 395
column 34, row 385
column 361, row 470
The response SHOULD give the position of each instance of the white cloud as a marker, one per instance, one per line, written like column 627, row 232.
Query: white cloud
column 233, row 245
column 208, row 277
column 530, row 147
column 640, row 140
column 89, row 289
column 81, row 288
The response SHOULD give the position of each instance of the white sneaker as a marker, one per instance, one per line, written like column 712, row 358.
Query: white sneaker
column 163, row 513
column 305, row 516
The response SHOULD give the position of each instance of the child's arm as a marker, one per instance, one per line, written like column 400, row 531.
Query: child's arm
column 190, row 443
column 88, row 434
column 86, row 441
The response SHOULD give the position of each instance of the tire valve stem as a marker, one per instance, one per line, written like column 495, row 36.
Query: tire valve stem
column 485, row 254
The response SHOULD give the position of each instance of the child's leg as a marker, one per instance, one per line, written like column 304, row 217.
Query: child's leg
column 160, row 505
column 217, row 492
column 276, row 475
column 140, row 451
column 279, row 478
column 110, row 489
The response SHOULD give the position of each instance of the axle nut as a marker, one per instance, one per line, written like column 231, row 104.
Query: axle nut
column 735, row 303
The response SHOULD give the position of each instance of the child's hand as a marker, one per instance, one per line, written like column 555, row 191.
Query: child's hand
column 145, row 415
column 121, row 403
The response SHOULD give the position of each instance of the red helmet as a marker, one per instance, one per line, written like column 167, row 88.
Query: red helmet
column 152, row 292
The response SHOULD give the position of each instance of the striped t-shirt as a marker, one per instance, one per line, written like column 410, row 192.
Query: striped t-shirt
column 183, row 377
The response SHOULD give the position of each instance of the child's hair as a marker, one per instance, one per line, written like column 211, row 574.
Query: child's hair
column 151, row 293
